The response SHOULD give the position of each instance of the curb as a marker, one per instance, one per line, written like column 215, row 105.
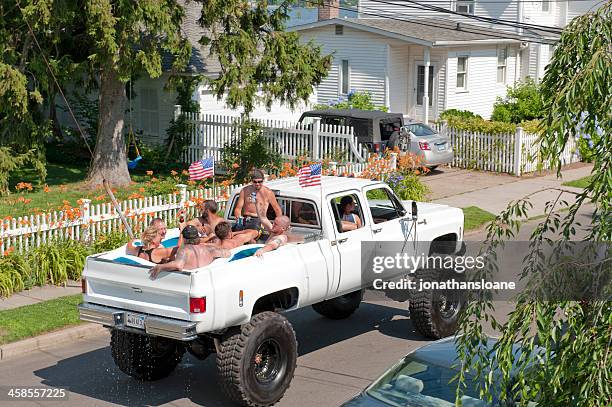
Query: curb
column 14, row 349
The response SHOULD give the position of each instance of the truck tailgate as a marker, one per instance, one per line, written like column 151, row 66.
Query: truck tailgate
column 129, row 287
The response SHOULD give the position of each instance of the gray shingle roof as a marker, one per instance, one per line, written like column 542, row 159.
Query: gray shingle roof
column 428, row 31
column 201, row 61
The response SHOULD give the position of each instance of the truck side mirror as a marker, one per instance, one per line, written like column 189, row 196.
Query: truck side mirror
column 414, row 211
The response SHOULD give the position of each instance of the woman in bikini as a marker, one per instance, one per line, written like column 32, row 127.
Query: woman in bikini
column 151, row 248
column 350, row 221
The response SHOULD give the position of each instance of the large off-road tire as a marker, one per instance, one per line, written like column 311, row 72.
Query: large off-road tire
column 339, row 307
column 435, row 314
column 256, row 362
column 145, row 357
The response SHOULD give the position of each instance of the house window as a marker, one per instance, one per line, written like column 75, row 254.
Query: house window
column 339, row 29
column 465, row 7
column 502, row 58
column 149, row 111
column 344, row 77
column 546, row 6
column 462, row 72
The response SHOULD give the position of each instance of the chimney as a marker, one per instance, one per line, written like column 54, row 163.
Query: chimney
column 329, row 9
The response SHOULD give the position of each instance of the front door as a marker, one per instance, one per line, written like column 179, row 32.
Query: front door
column 419, row 90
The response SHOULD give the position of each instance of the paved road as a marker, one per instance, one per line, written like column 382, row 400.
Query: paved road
column 336, row 360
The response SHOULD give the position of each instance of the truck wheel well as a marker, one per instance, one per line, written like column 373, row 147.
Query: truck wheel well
column 277, row 301
column 445, row 244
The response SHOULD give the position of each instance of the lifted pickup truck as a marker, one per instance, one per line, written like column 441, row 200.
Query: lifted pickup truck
column 234, row 305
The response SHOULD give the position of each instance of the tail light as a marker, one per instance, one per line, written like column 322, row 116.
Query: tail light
column 423, row 145
column 376, row 147
column 197, row 305
column 84, row 286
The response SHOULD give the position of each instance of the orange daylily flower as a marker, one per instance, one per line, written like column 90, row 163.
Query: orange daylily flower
column 149, row 172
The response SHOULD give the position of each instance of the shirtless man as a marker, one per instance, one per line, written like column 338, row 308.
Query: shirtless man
column 230, row 240
column 278, row 236
column 191, row 255
column 208, row 219
column 252, row 206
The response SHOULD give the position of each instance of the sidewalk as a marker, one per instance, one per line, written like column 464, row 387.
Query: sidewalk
column 493, row 192
column 39, row 294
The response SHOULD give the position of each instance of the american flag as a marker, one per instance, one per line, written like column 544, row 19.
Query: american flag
column 310, row 175
column 202, row 169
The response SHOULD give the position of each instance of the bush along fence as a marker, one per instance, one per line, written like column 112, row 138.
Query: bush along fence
column 208, row 134
column 513, row 153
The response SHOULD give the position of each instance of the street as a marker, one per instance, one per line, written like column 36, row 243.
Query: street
column 337, row 359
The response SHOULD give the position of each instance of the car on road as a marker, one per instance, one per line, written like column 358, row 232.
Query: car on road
column 424, row 378
column 420, row 139
column 234, row 306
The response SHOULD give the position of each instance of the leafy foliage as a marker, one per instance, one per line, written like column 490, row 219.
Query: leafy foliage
column 523, row 102
column 354, row 100
column 572, row 365
column 462, row 114
column 259, row 60
column 407, row 186
column 249, row 149
column 177, row 134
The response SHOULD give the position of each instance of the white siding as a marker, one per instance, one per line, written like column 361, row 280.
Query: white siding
column 578, row 8
column 366, row 53
column 482, row 87
column 503, row 9
column 398, row 78
column 143, row 120
column 533, row 14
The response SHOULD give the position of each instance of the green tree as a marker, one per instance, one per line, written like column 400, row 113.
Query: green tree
column 354, row 100
column 573, row 366
column 523, row 102
column 260, row 62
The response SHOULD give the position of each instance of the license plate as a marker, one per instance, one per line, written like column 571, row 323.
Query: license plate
column 135, row 320
column 442, row 147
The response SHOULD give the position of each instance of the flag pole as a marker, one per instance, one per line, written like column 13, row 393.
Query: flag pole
column 321, row 192
column 213, row 177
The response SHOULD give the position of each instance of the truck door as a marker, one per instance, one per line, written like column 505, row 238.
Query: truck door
column 384, row 211
column 351, row 228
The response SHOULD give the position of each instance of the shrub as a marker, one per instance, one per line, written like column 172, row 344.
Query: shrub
column 354, row 100
column 249, row 150
column 407, row 186
column 109, row 241
column 462, row 114
column 523, row 102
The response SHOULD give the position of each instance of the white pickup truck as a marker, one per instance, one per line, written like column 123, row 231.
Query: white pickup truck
column 234, row 305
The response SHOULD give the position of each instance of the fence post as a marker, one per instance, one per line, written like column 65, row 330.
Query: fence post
column 177, row 111
column 316, row 122
column 393, row 161
column 182, row 195
column 333, row 168
column 518, row 150
column 85, row 218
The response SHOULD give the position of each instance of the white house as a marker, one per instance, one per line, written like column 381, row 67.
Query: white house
column 388, row 49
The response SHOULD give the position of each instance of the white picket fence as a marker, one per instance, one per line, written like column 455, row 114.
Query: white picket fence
column 88, row 221
column 514, row 153
column 208, row 134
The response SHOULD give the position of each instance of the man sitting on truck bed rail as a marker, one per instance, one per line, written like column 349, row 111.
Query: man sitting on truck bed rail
column 190, row 255
column 226, row 239
column 279, row 236
column 252, row 206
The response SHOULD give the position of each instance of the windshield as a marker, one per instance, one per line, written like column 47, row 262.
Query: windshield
column 414, row 382
column 420, row 130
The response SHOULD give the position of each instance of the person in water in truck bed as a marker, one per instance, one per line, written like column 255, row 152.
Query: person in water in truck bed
column 252, row 206
column 279, row 236
column 227, row 239
column 191, row 255
column 206, row 222
column 151, row 248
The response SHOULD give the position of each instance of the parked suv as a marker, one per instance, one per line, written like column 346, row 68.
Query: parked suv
column 371, row 127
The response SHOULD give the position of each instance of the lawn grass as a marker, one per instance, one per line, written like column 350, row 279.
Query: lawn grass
column 578, row 183
column 31, row 320
column 67, row 183
column 475, row 217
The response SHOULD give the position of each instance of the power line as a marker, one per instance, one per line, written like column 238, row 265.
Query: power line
column 511, row 23
column 537, row 40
